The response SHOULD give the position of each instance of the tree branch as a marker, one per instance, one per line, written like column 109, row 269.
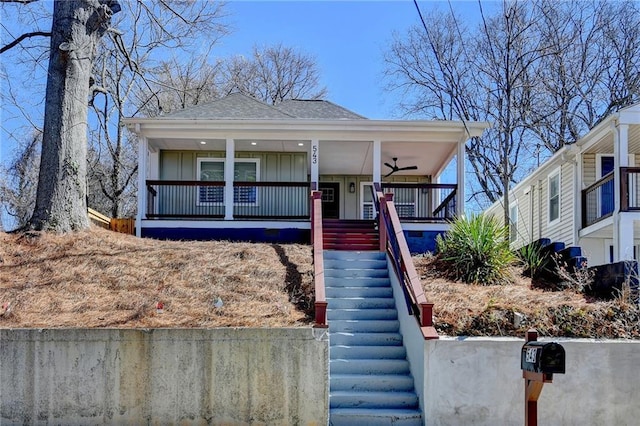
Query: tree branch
column 18, row 1
column 17, row 41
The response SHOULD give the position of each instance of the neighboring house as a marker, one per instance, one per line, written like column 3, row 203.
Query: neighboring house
column 240, row 169
column 587, row 194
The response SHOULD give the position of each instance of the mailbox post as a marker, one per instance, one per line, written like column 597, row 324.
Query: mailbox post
column 539, row 361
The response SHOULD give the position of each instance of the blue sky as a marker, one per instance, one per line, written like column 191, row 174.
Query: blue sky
column 347, row 39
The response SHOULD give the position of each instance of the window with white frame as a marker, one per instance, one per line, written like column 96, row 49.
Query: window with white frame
column 212, row 170
column 553, row 184
column 513, row 222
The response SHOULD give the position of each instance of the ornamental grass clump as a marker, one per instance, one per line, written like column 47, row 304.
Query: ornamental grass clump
column 476, row 250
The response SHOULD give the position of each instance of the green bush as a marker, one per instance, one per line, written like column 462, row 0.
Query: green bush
column 532, row 259
column 476, row 250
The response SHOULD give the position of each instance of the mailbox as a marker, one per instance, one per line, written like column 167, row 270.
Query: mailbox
column 541, row 357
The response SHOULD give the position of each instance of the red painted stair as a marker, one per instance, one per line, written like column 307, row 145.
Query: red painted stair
column 356, row 235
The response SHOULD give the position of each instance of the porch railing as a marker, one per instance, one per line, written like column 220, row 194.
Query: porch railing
column 423, row 201
column 629, row 188
column 205, row 199
column 392, row 241
column 598, row 200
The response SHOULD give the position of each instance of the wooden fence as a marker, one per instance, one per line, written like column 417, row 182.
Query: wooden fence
column 122, row 225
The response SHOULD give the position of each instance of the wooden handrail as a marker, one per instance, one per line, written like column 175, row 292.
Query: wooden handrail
column 318, row 260
column 397, row 248
column 412, row 185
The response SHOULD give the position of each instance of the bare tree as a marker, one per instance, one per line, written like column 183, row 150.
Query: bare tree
column 542, row 72
column 126, row 63
column 592, row 68
column 179, row 84
column 273, row 74
column 487, row 75
column 77, row 28
column 18, row 187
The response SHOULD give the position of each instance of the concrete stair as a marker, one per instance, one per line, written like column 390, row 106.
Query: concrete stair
column 369, row 378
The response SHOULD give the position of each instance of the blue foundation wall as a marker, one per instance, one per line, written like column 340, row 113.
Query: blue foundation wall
column 421, row 241
column 257, row 235
column 418, row 241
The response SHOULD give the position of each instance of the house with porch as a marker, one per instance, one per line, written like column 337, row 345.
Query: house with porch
column 586, row 195
column 239, row 169
column 368, row 191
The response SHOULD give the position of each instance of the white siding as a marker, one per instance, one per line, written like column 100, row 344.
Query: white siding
column 588, row 169
column 533, row 208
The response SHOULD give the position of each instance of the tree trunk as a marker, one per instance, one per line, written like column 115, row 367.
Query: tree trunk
column 61, row 201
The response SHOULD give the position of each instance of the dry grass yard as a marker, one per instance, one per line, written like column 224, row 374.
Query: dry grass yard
column 99, row 278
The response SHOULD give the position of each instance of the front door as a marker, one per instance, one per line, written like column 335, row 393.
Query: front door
column 606, row 197
column 330, row 199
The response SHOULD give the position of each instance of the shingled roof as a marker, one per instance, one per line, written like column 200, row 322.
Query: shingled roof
column 237, row 106
column 317, row 109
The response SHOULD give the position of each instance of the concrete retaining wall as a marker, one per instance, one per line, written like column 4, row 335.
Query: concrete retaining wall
column 478, row 381
column 279, row 376
column 166, row 376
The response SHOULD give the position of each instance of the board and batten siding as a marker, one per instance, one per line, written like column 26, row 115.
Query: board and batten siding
column 274, row 166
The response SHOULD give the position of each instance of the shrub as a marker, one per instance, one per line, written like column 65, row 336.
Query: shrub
column 476, row 250
column 532, row 259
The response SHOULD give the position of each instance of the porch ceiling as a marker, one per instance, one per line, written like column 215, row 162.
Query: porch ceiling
column 346, row 146
column 337, row 157
column 604, row 145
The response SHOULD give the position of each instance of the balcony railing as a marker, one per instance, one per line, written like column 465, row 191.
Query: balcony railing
column 630, row 188
column 251, row 200
column 423, row 201
column 598, row 200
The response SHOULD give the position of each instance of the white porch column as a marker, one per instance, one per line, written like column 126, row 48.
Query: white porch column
column 377, row 160
column 460, row 178
column 577, row 189
column 229, row 169
column 620, row 158
column 315, row 163
column 623, row 240
column 143, row 152
column 622, row 226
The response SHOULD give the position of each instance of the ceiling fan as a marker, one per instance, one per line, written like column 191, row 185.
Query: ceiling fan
column 395, row 167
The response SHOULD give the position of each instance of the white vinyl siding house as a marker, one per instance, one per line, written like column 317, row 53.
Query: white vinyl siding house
column 587, row 194
column 532, row 199
column 513, row 222
column 553, row 196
